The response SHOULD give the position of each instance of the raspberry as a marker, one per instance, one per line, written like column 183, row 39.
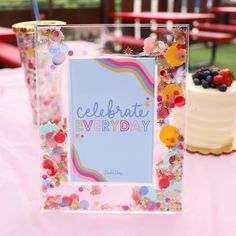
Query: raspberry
column 228, row 81
column 228, row 77
column 218, row 79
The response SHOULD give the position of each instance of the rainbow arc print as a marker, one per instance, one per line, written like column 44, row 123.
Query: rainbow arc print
column 112, row 119
column 136, row 68
column 82, row 171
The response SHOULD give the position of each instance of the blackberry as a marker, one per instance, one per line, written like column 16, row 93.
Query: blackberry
column 222, row 87
column 206, row 73
column 214, row 72
column 199, row 75
column 205, row 84
column 209, row 79
column 197, row 81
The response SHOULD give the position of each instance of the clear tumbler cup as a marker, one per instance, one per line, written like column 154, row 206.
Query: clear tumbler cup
column 26, row 43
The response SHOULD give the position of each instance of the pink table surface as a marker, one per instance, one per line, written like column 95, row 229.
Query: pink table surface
column 209, row 192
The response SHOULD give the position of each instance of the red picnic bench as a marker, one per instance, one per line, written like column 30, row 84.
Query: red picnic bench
column 202, row 36
column 217, row 27
column 161, row 15
column 227, row 26
column 214, row 38
column 222, row 32
column 9, row 55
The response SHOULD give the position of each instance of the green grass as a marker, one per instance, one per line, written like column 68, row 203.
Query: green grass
column 26, row 4
column 225, row 57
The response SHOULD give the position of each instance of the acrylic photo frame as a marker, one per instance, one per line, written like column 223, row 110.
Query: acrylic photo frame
column 56, row 48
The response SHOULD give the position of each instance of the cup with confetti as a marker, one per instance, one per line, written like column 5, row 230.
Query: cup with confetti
column 26, row 44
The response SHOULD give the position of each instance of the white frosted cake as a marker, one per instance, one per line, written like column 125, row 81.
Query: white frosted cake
column 210, row 118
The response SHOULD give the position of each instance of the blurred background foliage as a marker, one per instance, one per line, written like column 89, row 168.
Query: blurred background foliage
column 24, row 4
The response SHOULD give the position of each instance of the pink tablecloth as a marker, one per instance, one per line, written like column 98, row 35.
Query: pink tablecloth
column 209, row 195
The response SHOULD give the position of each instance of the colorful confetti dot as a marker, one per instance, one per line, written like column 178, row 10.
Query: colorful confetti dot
column 170, row 90
column 125, row 207
column 136, row 196
column 175, row 56
column 44, row 176
column 64, row 48
column 70, row 53
column 53, row 67
column 81, row 189
column 163, row 112
column 58, row 59
column 54, row 49
column 164, row 182
column 84, row 204
column 149, row 45
column 60, row 137
column 143, row 190
column 169, row 135
column 159, row 98
column 179, row 101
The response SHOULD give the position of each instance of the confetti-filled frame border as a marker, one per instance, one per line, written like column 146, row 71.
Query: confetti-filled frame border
column 52, row 52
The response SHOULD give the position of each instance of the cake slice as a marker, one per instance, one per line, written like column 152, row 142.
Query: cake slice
column 211, row 110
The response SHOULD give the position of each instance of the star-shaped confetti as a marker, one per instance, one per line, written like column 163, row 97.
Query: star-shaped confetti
column 161, row 121
column 128, row 51
column 147, row 104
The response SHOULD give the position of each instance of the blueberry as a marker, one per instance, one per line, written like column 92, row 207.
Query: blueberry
column 209, row 79
column 222, row 87
column 203, row 69
column 205, row 84
column 214, row 73
column 206, row 73
column 197, row 81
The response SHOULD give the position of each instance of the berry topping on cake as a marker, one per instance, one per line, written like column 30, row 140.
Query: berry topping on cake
column 227, row 76
column 197, row 81
column 218, row 79
column 222, row 88
column 213, row 77
column 205, row 84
